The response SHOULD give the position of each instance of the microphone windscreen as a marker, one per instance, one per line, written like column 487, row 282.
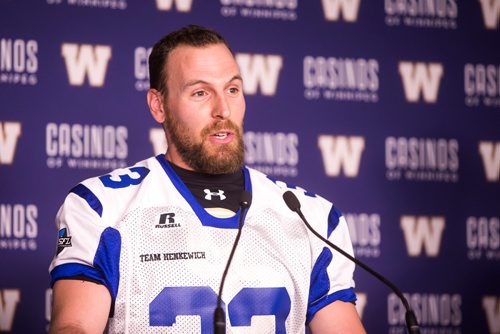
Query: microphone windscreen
column 292, row 201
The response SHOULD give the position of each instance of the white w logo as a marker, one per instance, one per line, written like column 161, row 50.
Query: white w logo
column 158, row 140
column 340, row 152
column 491, row 307
column 362, row 300
column 9, row 135
column 259, row 70
column 348, row 8
column 421, row 78
column 423, row 232
column 9, row 298
column 491, row 13
column 490, row 152
column 166, row 5
column 87, row 60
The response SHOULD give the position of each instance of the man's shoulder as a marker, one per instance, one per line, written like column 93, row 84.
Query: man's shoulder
column 271, row 186
column 119, row 183
column 117, row 192
column 123, row 177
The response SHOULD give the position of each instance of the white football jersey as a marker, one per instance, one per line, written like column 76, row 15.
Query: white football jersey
column 141, row 233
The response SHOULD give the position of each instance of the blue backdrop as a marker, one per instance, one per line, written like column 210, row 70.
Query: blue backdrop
column 390, row 109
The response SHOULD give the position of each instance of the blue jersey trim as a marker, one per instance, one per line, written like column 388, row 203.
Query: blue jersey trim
column 106, row 264
column 333, row 220
column 320, row 281
column 205, row 218
column 89, row 196
column 345, row 295
column 107, row 259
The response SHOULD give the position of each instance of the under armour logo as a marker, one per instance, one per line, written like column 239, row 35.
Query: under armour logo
column 209, row 194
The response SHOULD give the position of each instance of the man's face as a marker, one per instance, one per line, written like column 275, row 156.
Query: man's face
column 204, row 109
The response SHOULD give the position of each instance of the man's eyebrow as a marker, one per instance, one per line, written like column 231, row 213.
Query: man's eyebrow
column 203, row 82
column 193, row 83
column 236, row 77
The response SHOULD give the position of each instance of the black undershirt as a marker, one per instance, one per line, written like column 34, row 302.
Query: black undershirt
column 213, row 190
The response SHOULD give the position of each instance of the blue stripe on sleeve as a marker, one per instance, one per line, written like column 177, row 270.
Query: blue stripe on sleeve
column 107, row 259
column 320, row 282
column 320, row 285
column 89, row 196
column 346, row 295
column 333, row 220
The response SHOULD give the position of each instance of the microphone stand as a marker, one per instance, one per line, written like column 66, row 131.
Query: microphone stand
column 219, row 314
column 411, row 320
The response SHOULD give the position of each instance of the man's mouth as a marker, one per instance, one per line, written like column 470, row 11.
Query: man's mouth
column 221, row 135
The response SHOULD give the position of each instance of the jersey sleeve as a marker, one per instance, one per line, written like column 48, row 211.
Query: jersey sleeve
column 86, row 246
column 332, row 273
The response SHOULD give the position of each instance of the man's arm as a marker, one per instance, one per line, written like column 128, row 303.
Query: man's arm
column 79, row 307
column 337, row 317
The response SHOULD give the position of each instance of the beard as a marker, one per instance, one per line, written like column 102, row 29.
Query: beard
column 204, row 156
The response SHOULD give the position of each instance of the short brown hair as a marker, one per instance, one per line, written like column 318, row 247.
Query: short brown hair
column 191, row 35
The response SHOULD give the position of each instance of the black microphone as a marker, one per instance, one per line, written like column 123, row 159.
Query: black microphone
column 411, row 320
column 219, row 314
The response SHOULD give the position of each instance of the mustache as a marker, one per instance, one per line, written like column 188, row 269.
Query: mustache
column 220, row 125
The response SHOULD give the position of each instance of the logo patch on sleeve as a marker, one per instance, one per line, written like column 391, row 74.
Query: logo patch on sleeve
column 63, row 241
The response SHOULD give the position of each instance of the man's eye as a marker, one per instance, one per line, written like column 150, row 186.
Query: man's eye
column 199, row 93
column 233, row 90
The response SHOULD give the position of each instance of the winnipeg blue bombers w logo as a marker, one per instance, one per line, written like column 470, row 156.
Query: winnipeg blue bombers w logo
column 9, row 298
column 86, row 60
column 9, row 136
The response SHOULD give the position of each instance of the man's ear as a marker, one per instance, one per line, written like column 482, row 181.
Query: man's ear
column 155, row 103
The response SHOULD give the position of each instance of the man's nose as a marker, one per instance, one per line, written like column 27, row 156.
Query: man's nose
column 221, row 108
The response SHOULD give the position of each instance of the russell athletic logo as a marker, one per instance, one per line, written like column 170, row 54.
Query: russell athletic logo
column 281, row 10
column 436, row 312
column 423, row 233
column 490, row 155
column 422, row 159
column 421, row 80
column 482, row 85
column 483, row 238
column 86, row 61
column 9, row 298
column 491, row 13
column 167, row 220
column 18, row 227
column 341, row 79
column 18, row 61
column 97, row 4
column 341, row 153
column 275, row 154
column 86, row 146
column 335, row 9
column 435, row 14
column 259, row 71
column 9, row 136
